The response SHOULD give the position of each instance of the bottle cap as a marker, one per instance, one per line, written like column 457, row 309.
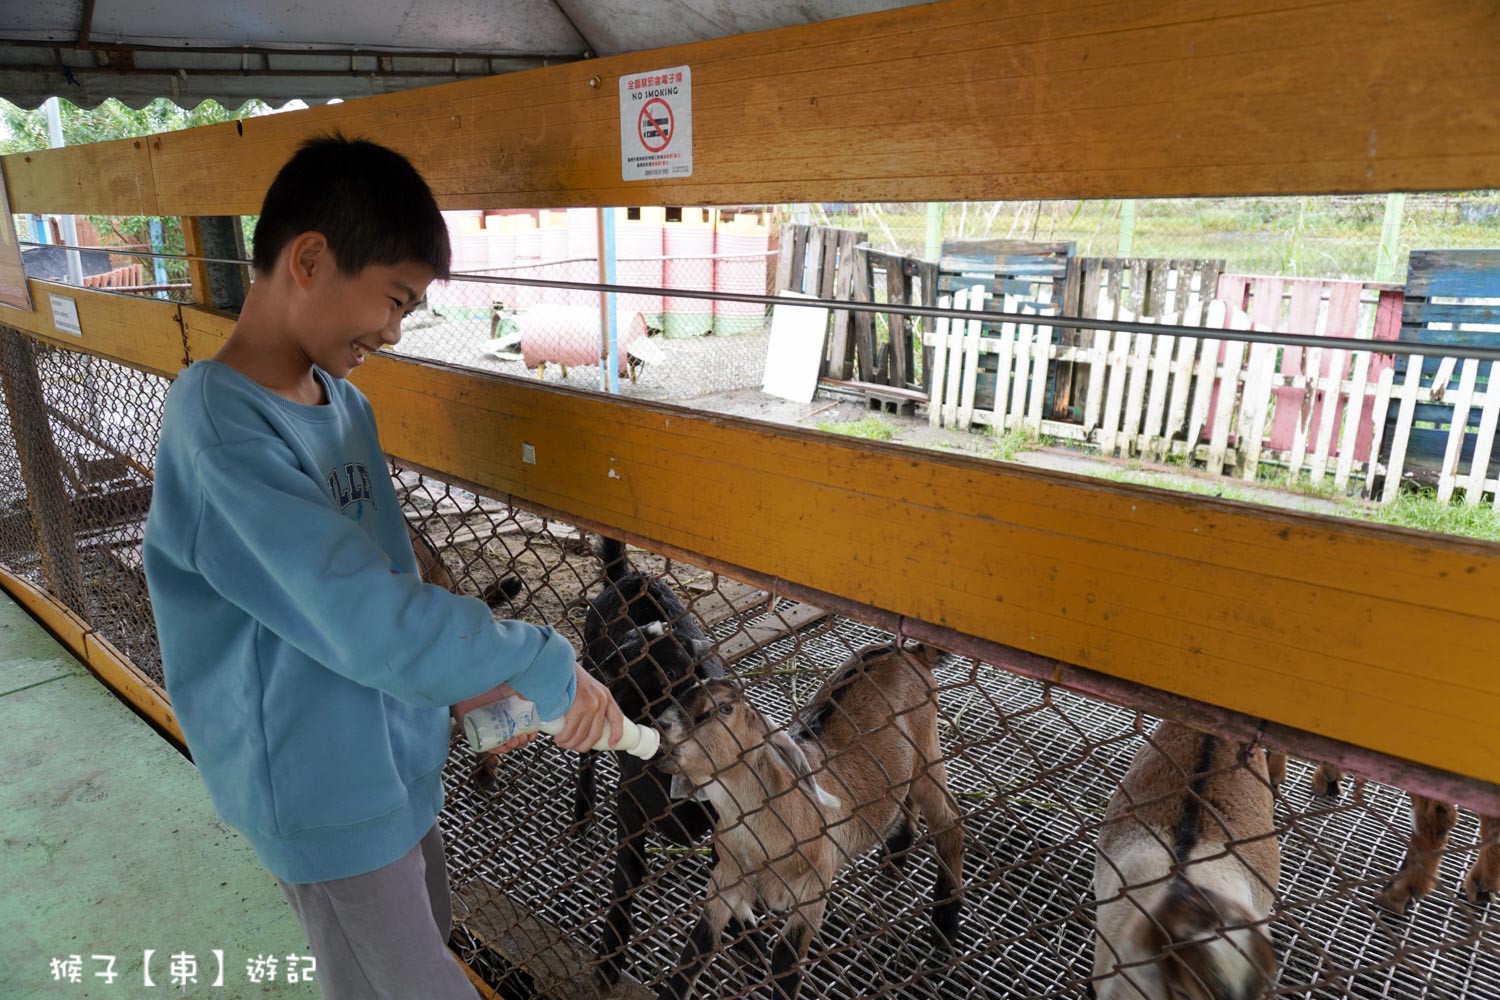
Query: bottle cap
column 646, row 744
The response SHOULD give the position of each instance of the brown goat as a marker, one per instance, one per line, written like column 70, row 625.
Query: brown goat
column 1186, row 873
column 1432, row 820
column 857, row 768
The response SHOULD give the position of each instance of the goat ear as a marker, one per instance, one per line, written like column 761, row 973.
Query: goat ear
column 631, row 645
column 682, row 788
column 791, row 754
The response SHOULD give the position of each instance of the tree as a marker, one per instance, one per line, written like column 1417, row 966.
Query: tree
column 22, row 131
column 27, row 130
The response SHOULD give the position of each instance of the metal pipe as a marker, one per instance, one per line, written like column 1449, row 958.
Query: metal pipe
column 1066, row 322
column 69, row 223
column 142, row 253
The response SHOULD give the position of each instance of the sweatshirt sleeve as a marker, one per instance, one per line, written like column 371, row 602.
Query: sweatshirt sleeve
column 268, row 540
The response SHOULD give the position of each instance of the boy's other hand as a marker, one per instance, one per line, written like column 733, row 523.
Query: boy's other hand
column 593, row 709
column 497, row 693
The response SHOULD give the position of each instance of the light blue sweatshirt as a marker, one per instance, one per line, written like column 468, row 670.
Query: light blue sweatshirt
column 310, row 668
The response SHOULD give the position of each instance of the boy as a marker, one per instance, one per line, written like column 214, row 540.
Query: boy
column 309, row 667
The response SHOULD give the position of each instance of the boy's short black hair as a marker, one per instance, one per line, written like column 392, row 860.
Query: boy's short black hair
column 369, row 201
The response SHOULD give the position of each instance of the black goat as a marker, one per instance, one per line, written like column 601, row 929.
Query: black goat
column 641, row 642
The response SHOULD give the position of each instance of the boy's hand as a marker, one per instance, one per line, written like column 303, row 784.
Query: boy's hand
column 496, row 693
column 593, row 709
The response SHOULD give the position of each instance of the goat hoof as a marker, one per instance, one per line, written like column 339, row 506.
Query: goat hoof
column 487, row 778
column 1329, row 790
column 1476, row 893
column 1396, row 899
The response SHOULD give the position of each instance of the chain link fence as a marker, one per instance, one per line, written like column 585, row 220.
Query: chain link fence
column 899, row 763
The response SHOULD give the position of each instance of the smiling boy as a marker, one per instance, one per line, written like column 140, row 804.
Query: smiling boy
column 309, row 667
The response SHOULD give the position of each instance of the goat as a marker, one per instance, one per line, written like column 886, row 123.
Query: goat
column 860, row 763
column 1432, row 820
column 642, row 643
column 1186, row 873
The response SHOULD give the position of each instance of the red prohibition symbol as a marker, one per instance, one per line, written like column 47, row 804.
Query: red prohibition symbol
column 656, row 126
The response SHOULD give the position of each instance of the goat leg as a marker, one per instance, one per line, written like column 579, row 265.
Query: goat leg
column 896, row 849
column 1484, row 878
column 702, row 943
column 1432, row 821
column 1327, row 781
column 939, row 810
column 791, row 949
column 585, row 791
column 750, row 939
column 630, row 871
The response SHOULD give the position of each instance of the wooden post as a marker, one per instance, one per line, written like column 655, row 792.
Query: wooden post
column 41, row 471
column 218, row 286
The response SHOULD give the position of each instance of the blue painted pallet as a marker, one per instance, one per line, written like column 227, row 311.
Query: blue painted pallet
column 1452, row 297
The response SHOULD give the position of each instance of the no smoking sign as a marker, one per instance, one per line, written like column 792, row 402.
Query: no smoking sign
column 656, row 124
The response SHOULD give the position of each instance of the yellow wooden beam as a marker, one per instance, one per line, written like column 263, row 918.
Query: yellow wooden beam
column 112, row 666
column 142, row 332
column 969, row 99
column 115, row 175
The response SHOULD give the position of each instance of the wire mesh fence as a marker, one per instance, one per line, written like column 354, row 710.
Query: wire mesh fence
column 940, row 827
column 666, row 347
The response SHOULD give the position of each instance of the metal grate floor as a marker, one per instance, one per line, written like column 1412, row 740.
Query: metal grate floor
column 1032, row 769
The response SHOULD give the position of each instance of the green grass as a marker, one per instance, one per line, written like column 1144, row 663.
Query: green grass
column 1421, row 511
column 869, row 428
column 1300, row 484
column 1425, row 512
column 1004, row 447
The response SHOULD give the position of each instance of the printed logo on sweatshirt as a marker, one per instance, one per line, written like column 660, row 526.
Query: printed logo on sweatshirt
column 350, row 484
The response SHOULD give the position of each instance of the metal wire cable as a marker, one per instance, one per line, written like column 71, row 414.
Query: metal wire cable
column 137, row 253
column 1464, row 351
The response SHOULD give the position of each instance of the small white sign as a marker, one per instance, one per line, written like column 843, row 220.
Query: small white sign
column 65, row 315
column 795, row 350
column 656, row 124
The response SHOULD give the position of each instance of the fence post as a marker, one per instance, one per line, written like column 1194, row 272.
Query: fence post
column 41, row 471
column 934, row 230
column 1127, row 227
column 1390, row 237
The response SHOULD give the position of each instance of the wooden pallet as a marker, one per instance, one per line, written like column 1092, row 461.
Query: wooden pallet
column 1444, row 432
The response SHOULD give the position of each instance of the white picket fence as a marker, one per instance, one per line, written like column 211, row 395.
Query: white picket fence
column 1149, row 395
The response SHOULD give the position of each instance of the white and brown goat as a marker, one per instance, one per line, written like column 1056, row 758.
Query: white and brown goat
column 858, row 766
column 1186, row 873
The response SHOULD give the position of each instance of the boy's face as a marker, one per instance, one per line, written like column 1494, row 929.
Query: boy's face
column 342, row 319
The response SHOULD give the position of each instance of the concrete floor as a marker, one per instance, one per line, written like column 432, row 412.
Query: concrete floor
column 111, row 846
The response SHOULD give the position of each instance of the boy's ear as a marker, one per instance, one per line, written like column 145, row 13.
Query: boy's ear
column 307, row 254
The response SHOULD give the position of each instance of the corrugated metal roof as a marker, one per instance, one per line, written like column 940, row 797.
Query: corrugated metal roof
column 189, row 50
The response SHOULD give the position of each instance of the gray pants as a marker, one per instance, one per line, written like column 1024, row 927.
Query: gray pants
column 383, row 935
